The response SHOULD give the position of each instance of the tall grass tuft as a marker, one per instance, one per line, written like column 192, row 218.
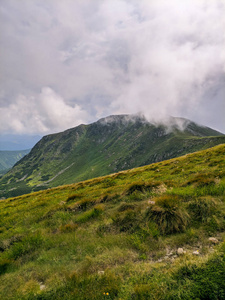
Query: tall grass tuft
column 169, row 214
column 202, row 208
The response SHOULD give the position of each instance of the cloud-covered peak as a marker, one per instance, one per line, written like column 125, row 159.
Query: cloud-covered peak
column 64, row 62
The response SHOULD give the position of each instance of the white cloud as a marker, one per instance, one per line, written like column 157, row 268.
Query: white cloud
column 39, row 115
column 112, row 56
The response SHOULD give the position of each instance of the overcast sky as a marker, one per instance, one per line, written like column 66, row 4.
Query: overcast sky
column 68, row 62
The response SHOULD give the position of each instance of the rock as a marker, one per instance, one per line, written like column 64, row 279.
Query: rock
column 42, row 287
column 196, row 252
column 213, row 240
column 101, row 272
column 180, row 251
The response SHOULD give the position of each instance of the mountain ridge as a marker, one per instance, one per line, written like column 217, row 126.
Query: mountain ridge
column 112, row 144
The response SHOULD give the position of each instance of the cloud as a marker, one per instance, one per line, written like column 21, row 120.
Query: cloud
column 114, row 56
column 49, row 110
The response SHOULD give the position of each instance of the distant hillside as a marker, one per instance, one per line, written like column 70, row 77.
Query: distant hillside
column 9, row 158
column 109, row 145
column 154, row 232
column 17, row 142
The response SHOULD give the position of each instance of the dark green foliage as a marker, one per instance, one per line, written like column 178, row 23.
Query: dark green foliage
column 4, row 265
column 127, row 206
column 127, row 220
column 202, row 208
column 26, row 246
column 201, row 282
column 169, row 214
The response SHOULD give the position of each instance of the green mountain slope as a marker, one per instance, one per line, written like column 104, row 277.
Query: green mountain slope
column 9, row 158
column 107, row 146
column 154, row 232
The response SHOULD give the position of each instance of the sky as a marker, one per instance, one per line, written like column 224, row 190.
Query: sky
column 63, row 63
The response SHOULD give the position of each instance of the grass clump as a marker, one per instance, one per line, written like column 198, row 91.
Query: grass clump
column 169, row 214
column 72, row 197
column 201, row 180
column 91, row 214
column 202, row 208
column 126, row 221
column 142, row 187
column 82, row 205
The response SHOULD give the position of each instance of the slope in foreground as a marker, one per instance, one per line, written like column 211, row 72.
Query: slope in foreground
column 117, row 237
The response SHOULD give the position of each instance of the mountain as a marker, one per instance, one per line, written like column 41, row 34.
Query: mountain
column 154, row 232
column 109, row 145
column 17, row 142
column 9, row 158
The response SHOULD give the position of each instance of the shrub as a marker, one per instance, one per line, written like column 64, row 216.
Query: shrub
column 168, row 214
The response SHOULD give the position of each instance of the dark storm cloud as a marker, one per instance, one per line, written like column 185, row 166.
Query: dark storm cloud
column 69, row 62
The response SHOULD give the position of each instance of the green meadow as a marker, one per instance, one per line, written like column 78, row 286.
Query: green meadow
column 117, row 236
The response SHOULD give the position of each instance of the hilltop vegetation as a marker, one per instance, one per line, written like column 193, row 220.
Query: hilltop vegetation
column 117, row 237
column 109, row 145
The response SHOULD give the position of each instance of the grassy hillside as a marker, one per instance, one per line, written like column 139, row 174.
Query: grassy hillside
column 117, row 237
column 9, row 158
column 107, row 146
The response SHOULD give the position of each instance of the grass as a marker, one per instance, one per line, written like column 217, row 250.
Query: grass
column 88, row 151
column 116, row 237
